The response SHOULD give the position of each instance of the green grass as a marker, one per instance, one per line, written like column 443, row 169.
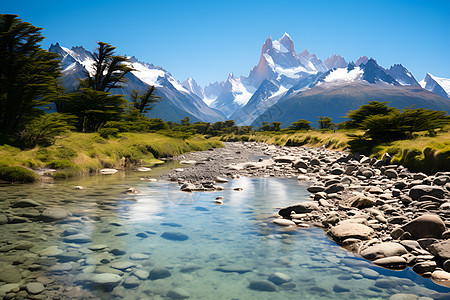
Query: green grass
column 333, row 140
column 87, row 152
column 17, row 174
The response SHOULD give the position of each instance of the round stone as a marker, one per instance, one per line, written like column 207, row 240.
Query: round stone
column 54, row 214
column 178, row 293
column 174, row 236
column 262, row 285
column 35, row 287
column 106, row 279
column 159, row 273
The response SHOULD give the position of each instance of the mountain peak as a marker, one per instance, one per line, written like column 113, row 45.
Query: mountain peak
column 287, row 42
column 361, row 60
column 335, row 61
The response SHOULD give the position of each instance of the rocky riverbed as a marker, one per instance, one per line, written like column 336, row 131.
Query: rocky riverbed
column 385, row 213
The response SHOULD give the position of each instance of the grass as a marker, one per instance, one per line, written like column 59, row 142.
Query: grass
column 17, row 174
column 333, row 140
column 422, row 154
column 79, row 153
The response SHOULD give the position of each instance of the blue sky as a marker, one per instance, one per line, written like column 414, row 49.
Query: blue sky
column 207, row 40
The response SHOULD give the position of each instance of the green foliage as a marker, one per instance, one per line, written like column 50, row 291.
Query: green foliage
column 108, row 132
column 325, row 122
column 17, row 174
column 43, row 130
column 300, row 125
column 28, row 74
column 61, row 164
column 274, row 126
column 142, row 102
column 373, row 108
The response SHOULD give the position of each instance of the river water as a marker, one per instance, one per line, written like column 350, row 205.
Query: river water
column 190, row 246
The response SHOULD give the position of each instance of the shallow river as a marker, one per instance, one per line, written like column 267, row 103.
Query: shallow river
column 195, row 247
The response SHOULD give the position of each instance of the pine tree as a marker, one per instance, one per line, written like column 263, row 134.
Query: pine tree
column 28, row 73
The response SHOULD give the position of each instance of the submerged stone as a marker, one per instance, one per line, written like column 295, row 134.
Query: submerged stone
column 174, row 236
column 262, row 285
column 159, row 273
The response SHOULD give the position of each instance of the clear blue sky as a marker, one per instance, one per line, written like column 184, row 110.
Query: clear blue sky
column 207, row 40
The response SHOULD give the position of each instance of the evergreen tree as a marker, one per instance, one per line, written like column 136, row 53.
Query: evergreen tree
column 325, row 122
column 373, row 108
column 28, row 73
column 301, row 124
column 142, row 102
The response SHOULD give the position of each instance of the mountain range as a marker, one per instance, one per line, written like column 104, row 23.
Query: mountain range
column 284, row 86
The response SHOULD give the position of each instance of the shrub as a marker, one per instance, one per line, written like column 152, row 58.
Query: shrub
column 17, row 174
column 107, row 132
column 61, row 164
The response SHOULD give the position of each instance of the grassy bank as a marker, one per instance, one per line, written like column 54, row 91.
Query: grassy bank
column 79, row 153
column 333, row 140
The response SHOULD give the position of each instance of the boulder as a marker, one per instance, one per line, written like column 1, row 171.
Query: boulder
column 300, row 164
column 174, row 236
column 386, row 249
column 441, row 249
column 262, row 285
column 425, row 226
column 419, row 190
column 279, row 278
column 299, row 208
column 391, row 174
column 159, row 273
column 10, row 275
column 334, row 188
column 188, row 187
column 361, row 201
column 25, row 203
column 285, row 159
column 283, row 222
column 344, row 231
column 315, row 189
column 178, row 293
column 106, row 279
column 54, row 214
column 395, row 262
column 35, row 288
column 424, row 267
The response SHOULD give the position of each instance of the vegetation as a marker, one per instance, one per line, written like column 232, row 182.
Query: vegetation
column 17, row 174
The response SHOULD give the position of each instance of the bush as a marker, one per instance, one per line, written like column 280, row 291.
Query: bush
column 61, row 164
column 107, row 132
column 17, row 174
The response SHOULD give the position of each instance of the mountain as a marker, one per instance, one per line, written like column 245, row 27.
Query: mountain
column 439, row 86
column 234, row 94
column 335, row 61
column 402, row 75
column 279, row 66
column 339, row 90
column 176, row 103
column 192, row 86
column 212, row 91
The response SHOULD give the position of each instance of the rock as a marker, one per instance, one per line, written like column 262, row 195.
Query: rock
column 144, row 169
column 441, row 249
column 369, row 273
column 188, row 187
column 424, row 267
column 51, row 251
column 403, row 296
column 339, row 288
column 142, row 235
column 35, row 288
column 440, row 275
column 344, row 231
column 25, row 203
column 367, row 173
column 221, row 179
column 386, row 249
column 361, row 201
column 337, row 171
column 283, row 222
column 54, row 214
column 300, row 164
column 190, row 267
column 188, row 162
column 285, row 159
column 233, row 268
column 262, row 285
column 10, row 275
column 139, row 256
column 131, row 282
column 178, row 293
column 106, row 279
column 395, row 262
column 123, row 265
column 159, row 273
column 299, row 208
column 334, row 188
column 141, row 274
column 108, row 171
column 79, row 238
column 117, row 252
column 425, row 226
column 375, row 190
column 391, row 174
column 174, row 236
column 316, row 189
column 419, row 190
column 97, row 247
column 279, row 278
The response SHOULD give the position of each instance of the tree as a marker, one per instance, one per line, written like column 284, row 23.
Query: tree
column 28, row 73
column 325, row 122
column 93, row 103
column 142, row 102
column 301, row 125
column 185, row 122
column 373, row 108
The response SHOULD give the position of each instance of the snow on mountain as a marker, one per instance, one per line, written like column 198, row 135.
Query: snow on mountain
column 312, row 62
column 437, row 85
column 343, row 75
column 402, row 75
column 212, row 91
column 234, row 95
column 192, row 86
column 335, row 61
column 177, row 102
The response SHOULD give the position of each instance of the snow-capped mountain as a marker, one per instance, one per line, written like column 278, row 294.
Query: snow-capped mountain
column 402, row 75
column 177, row 102
column 339, row 90
column 439, row 86
column 335, row 61
column 192, row 86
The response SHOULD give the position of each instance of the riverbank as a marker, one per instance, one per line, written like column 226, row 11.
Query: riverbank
column 381, row 211
column 81, row 153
